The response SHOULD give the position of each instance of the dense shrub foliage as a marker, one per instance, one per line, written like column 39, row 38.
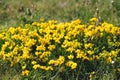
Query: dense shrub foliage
column 62, row 47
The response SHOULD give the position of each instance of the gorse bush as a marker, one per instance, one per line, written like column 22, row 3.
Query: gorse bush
column 66, row 50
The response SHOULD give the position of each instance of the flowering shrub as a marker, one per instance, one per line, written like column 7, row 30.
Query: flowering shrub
column 51, row 45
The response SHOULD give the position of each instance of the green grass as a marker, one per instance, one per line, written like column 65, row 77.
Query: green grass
column 16, row 12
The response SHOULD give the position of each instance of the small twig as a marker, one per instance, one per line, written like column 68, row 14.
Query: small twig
column 97, row 15
column 112, row 11
column 57, row 73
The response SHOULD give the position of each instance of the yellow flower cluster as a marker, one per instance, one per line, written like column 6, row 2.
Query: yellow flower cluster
column 70, row 57
column 46, row 45
column 57, row 62
column 25, row 72
column 37, row 66
column 71, row 64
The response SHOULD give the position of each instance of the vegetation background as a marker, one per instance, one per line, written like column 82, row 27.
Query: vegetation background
column 16, row 12
column 20, row 12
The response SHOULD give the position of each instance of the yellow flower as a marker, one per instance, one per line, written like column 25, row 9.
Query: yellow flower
column 33, row 62
column 23, row 67
column 74, row 65
column 46, row 68
column 16, row 36
column 33, row 33
column 1, row 36
column 12, row 30
column 15, row 50
column 88, row 45
column 114, row 53
column 90, row 52
column 41, row 47
column 70, row 49
column 25, row 54
column 38, row 53
column 70, row 57
column 93, row 19
column 97, row 57
column 36, row 66
column 34, row 23
column 109, row 60
column 80, row 54
column 49, row 68
column 75, row 22
column 5, row 45
column 57, row 40
column 52, row 22
column 57, row 62
column 51, row 47
column 89, row 33
column 30, row 42
column 25, row 72
column 61, row 60
column 71, row 64
column 51, row 62
column 45, row 54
